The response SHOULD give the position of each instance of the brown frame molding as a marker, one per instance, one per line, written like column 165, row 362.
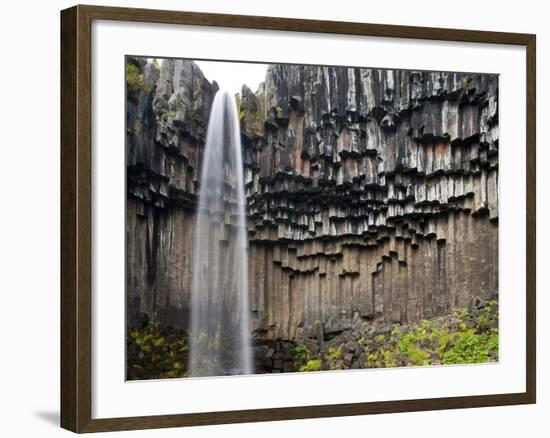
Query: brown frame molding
column 76, row 173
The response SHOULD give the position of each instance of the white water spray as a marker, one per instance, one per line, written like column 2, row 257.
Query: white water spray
column 220, row 313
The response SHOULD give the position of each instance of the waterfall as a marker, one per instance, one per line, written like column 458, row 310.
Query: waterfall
column 220, row 337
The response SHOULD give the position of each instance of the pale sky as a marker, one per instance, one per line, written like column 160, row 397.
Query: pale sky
column 232, row 75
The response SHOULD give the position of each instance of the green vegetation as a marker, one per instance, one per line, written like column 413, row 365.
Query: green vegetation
column 134, row 79
column 249, row 120
column 466, row 79
column 472, row 348
column 168, row 115
column 467, row 336
column 312, row 365
column 471, row 338
column 304, row 360
column 239, row 107
column 334, row 353
column 301, row 352
column 153, row 353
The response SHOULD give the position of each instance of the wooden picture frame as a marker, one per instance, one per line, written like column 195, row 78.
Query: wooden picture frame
column 76, row 217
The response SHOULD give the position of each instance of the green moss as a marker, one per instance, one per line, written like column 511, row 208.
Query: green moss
column 466, row 79
column 389, row 359
column 238, row 103
column 312, row 365
column 153, row 353
column 165, row 117
column 250, row 121
column 334, row 353
column 418, row 357
column 134, row 79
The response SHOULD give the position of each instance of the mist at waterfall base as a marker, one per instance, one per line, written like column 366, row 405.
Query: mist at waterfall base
column 220, row 340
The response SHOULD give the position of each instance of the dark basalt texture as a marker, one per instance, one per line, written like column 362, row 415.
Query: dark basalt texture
column 372, row 194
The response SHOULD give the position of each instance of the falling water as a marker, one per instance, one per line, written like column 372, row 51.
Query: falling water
column 220, row 321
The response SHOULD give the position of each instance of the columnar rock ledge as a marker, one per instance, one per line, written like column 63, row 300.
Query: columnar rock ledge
column 372, row 194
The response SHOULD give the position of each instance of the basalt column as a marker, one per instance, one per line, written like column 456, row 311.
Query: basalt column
column 371, row 194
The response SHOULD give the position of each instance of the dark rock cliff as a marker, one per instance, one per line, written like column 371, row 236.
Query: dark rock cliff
column 372, row 194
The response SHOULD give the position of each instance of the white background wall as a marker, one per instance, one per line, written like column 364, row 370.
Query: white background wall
column 29, row 216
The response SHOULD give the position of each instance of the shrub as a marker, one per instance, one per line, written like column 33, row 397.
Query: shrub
column 302, row 352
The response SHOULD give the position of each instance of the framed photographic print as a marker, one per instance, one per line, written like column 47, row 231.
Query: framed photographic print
column 343, row 224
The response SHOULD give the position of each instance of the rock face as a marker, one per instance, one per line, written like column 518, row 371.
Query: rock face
column 372, row 194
